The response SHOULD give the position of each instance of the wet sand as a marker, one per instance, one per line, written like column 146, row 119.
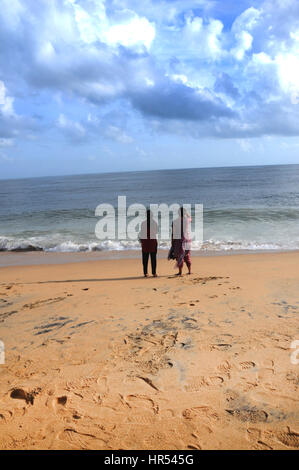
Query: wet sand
column 98, row 357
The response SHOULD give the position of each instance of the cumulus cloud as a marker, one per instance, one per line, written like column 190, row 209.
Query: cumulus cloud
column 92, row 127
column 205, row 39
column 72, row 129
column 6, row 102
column 94, row 25
column 115, row 133
column 178, row 66
column 11, row 123
column 173, row 100
column 244, row 42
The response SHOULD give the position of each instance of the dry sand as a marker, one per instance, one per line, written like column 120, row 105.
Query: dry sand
column 99, row 358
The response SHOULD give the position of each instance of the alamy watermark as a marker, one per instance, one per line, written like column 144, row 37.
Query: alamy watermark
column 165, row 221
column 2, row 353
column 295, row 354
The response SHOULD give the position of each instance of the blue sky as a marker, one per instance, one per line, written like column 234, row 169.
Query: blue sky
column 112, row 85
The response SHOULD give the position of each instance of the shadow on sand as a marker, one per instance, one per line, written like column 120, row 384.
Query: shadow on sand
column 108, row 279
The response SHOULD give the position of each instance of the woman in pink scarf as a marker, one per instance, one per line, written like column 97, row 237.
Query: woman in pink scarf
column 181, row 240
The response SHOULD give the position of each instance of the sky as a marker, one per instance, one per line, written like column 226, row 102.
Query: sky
column 89, row 86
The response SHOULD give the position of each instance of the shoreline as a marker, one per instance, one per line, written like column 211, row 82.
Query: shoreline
column 32, row 258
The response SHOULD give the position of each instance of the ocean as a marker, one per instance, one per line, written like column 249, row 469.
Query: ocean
column 245, row 208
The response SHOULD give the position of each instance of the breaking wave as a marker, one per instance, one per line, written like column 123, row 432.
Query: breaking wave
column 51, row 244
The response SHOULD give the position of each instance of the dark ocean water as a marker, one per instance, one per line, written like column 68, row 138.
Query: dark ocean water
column 253, row 208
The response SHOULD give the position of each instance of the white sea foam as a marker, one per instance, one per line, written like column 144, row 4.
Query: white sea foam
column 54, row 243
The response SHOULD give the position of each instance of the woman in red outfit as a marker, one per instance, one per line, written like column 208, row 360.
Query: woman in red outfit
column 149, row 244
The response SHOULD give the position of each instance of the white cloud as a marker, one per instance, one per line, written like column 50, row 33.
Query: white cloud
column 244, row 43
column 137, row 31
column 73, row 128
column 205, row 39
column 180, row 78
column 117, row 134
column 90, row 25
column 288, row 71
column 247, row 20
column 261, row 59
column 13, row 12
column 4, row 142
column 133, row 31
column 190, row 65
column 46, row 52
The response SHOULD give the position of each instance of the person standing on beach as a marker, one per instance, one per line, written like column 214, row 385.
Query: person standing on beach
column 181, row 241
column 149, row 244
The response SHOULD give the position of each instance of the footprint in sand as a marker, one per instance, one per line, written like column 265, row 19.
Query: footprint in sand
column 261, row 445
column 266, row 374
column 252, row 415
column 288, row 438
column 194, row 447
column 216, row 380
column 196, row 383
column 40, row 303
column 268, row 363
column 5, row 416
column 143, row 402
column 102, row 385
column 28, row 397
column 168, row 413
column 254, row 436
column 247, row 365
column 4, row 303
column 200, row 412
column 225, row 367
column 61, row 400
column 81, row 440
column 58, row 403
column 148, row 381
column 221, row 346
column 5, row 315
column 190, row 323
column 142, row 418
column 292, row 377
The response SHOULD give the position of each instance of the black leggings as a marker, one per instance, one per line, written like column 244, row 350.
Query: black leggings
column 145, row 257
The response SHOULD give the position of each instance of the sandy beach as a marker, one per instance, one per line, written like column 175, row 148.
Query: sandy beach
column 97, row 357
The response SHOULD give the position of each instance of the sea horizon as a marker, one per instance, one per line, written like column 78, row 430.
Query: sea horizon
column 148, row 170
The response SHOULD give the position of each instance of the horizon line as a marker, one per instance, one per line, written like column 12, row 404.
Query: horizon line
column 146, row 171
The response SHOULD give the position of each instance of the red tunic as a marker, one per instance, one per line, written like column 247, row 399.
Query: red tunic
column 148, row 238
